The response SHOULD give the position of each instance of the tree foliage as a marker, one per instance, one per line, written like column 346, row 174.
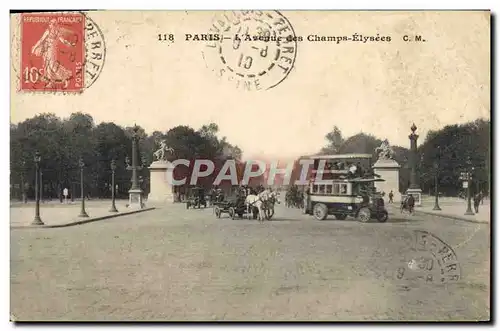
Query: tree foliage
column 453, row 150
column 61, row 143
column 450, row 151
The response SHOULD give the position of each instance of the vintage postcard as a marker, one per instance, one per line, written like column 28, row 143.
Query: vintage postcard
column 250, row 166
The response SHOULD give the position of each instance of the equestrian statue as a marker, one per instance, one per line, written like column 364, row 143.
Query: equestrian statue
column 161, row 153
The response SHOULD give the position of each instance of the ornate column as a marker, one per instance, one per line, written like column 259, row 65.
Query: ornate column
column 414, row 188
column 135, row 192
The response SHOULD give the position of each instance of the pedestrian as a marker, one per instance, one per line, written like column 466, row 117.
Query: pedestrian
column 359, row 170
column 391, row 196
column 477, row 200
column 411, row 203
column 352, row 171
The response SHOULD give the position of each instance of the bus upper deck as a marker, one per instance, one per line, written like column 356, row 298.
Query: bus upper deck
column 340, row 166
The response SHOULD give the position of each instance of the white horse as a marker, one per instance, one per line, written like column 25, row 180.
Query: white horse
column 259, row 201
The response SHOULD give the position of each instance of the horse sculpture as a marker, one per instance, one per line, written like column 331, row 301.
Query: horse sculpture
column 258, row 201
column 160, row 154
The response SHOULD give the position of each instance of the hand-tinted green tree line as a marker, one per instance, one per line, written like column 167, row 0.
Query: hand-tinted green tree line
column 61, row 142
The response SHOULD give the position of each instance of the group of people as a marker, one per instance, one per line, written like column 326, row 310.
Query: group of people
column 354, row 170
column 409, row 201
column 217, row 194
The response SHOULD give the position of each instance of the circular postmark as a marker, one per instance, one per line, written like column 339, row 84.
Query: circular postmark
column 423, row 258
column 430, row 260
column 95, row 52
column 254, row 50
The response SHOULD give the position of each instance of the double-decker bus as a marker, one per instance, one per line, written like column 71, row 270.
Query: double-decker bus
column 343, row 185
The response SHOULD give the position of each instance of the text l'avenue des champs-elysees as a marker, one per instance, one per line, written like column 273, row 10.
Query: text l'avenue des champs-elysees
column 311, row 38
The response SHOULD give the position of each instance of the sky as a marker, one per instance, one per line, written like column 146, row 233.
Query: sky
column 378, row 88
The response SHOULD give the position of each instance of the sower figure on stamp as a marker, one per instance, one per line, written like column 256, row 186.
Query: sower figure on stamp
column 48, row 48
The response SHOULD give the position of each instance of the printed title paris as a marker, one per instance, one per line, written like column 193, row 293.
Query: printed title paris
column 312, row 37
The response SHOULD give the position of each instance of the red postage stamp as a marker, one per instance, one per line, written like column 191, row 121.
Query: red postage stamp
column 52, row 52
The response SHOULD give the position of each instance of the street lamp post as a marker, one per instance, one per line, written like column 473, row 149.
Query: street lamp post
column 113, row 168
column 41, row 185
column 83, row 213
column 436, row 180
column 469, row 175
column 436, row 187
column 23, row 188
column 37, row 220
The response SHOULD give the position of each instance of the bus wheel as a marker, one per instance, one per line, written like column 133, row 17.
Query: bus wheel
column 320, row 211
column 364, row 215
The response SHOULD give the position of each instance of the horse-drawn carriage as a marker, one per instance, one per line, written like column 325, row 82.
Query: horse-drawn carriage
column 234, row 206
column 244, row 203
column 196, row 198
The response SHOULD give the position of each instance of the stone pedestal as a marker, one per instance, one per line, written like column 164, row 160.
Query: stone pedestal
column 161, row 189
column 388, row 170
column 135, row 199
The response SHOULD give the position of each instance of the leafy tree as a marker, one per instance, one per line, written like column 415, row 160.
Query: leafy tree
column 335, row 141
column 61, row 142
column 455, row 149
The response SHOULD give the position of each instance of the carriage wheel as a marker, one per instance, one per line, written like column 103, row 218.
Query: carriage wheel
column 217, row 211
column 383, row 216
column 320, row 211
column 232, row 212
column 364, row 215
